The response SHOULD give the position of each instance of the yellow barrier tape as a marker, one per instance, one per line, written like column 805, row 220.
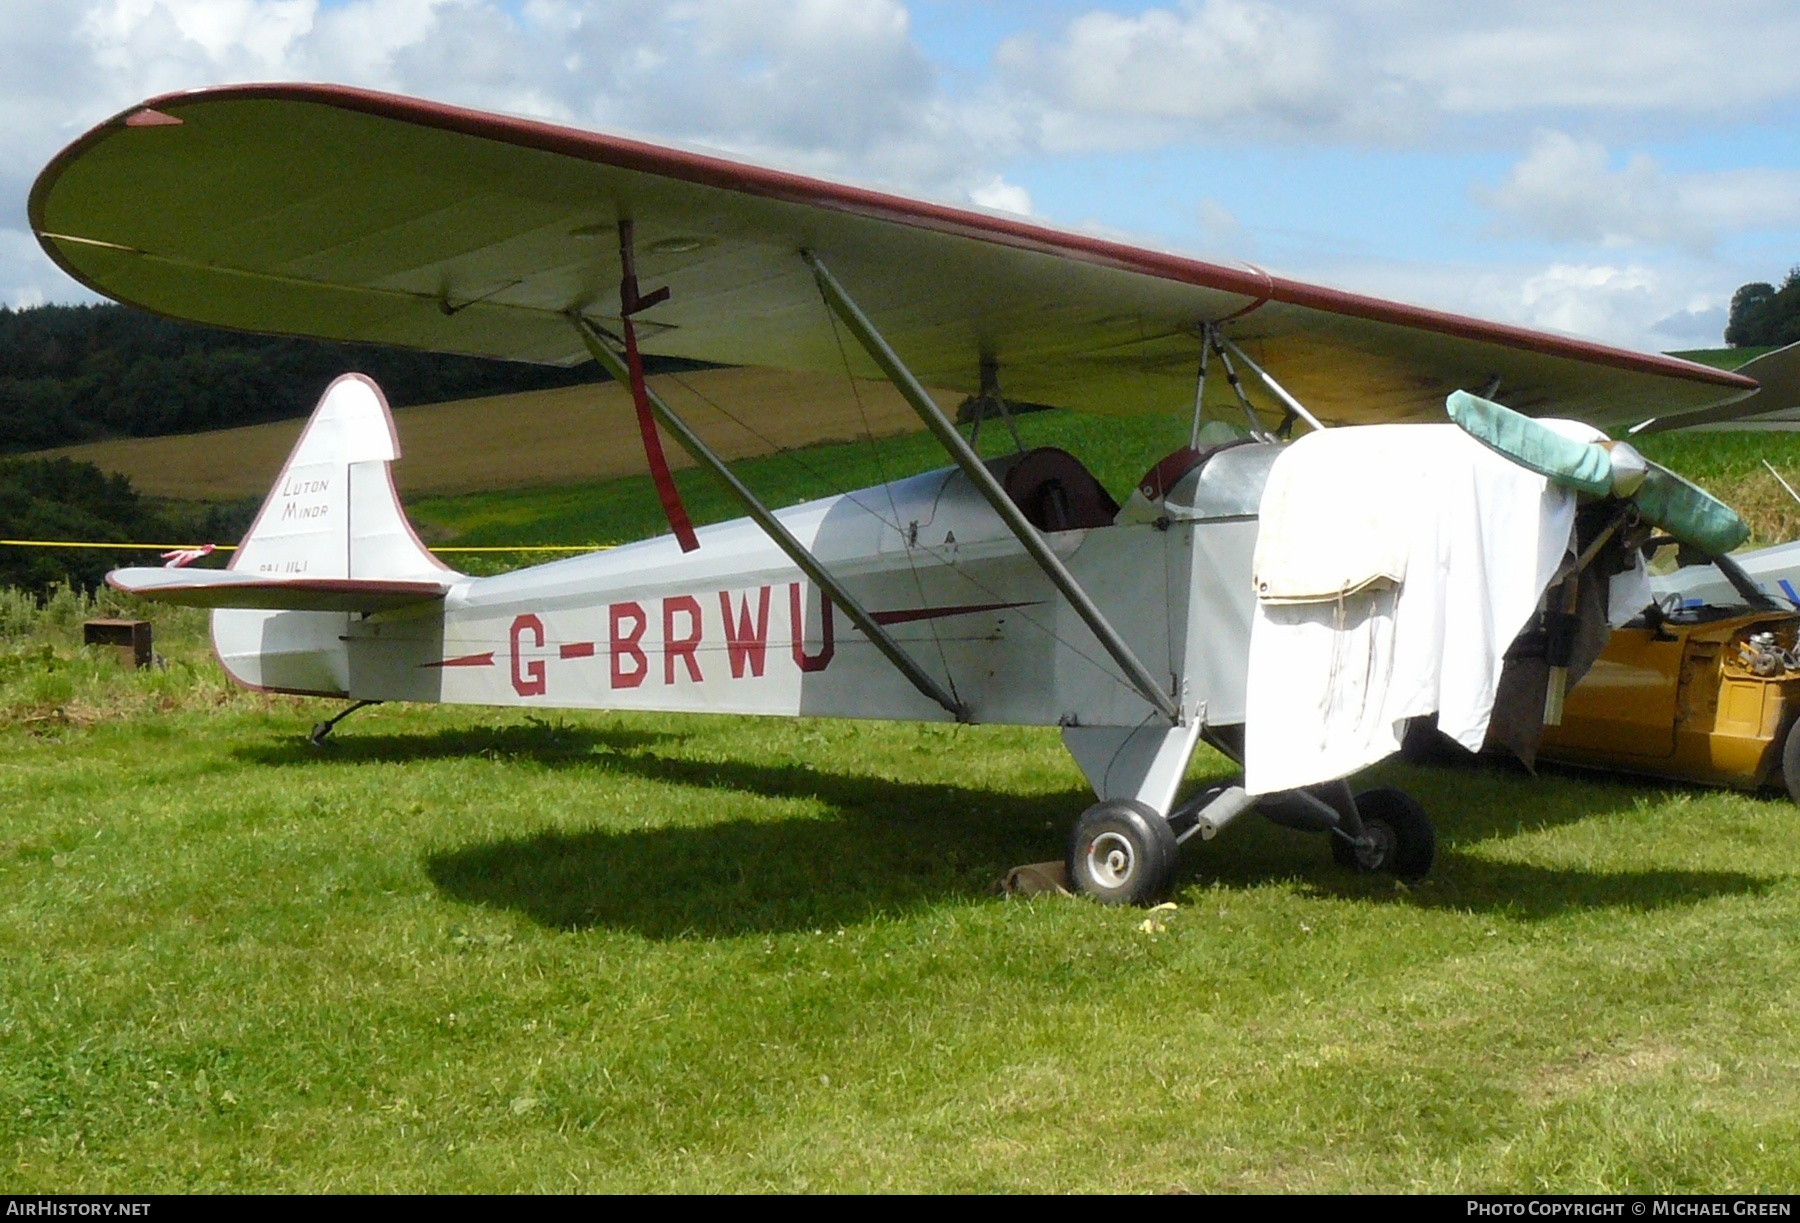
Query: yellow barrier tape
column 70, row 543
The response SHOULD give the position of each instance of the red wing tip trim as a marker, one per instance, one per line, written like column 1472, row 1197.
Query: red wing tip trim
column 939, row 613
column 151, row 118
column 467, row 660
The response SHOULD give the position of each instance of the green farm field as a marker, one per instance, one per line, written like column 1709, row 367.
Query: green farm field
column 1119, row 451
column 476, row 950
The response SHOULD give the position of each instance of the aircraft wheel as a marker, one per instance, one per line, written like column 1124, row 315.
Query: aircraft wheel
column 1404, row 843
column 1790, row 761
column 1122, row 853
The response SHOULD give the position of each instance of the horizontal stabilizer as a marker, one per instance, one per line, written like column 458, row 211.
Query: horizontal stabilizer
column 229, row 588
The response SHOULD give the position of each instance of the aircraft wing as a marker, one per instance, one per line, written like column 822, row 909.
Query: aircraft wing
column 1777, row 376
column 229, row 588
column 338, row 213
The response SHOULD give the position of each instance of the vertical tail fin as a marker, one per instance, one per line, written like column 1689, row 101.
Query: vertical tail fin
column 333, row 512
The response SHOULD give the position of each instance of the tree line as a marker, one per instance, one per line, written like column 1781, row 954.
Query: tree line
column 1764, row 315
column 61, row 499
column 72, row 374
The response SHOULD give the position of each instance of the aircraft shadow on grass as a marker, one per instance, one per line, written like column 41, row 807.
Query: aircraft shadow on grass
column 892, row 846
column 885, row 846
column 535, row 740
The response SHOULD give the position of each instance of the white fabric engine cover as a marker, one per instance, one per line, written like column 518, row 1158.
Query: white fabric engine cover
column 1473, row 540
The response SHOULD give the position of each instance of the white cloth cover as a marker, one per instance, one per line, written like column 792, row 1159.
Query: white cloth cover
column 1475, row 539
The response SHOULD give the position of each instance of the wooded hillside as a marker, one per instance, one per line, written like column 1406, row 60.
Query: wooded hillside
column 80, row 373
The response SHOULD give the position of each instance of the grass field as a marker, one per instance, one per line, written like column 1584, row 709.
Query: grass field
column 616, row 511
column 568, row 435
column 1723, row 358
column 563, row 466
column 476, row 950
column 472, row 950
column 1118, row 451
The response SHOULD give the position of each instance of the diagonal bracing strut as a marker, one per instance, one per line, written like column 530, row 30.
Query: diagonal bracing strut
column 1288, row 401
column 807, row 563
column 1035, row 546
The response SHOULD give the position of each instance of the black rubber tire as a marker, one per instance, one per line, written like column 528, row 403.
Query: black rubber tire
column 1123, row 853
column 1790, row 761
column 1405, row 845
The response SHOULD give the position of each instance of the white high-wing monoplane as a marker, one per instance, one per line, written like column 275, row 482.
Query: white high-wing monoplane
column 1393, row 566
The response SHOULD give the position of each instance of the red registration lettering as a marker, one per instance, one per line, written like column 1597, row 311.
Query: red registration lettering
column 527, row 677
column 746, row 644
column 828, row 647
column 624, row 645
column 685, row 646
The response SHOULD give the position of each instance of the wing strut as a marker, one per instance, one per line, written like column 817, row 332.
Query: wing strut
column 1200, row 387
column 808, row 564
column 990, row 489
column 1293, row 405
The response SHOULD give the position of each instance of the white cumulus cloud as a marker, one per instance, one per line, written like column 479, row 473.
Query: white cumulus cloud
column 847, row 88
column 1569, row 190
column 1677, row 303
column 1206, row 71
column 1002, row 196
column 1654, row 59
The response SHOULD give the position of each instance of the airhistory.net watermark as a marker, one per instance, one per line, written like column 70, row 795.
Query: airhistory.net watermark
column 65, row 1208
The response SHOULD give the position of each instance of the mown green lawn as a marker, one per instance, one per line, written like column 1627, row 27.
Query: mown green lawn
column 469, row 950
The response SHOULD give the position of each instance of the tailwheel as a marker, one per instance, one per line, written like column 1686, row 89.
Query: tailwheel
column 1123, row 853
column 1398, row 838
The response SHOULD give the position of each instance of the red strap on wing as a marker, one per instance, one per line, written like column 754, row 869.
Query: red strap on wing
column 630, row 302
column 666, row 491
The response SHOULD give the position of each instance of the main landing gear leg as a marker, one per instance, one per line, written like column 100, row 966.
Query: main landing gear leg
column 1123, row 852
column 322, row 730
column 1124, row 849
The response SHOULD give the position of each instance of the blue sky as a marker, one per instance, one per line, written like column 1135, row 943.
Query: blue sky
column 1614, row 169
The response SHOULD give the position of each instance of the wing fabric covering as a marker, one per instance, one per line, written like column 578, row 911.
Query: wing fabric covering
column 325, row 211
column 1777, row 375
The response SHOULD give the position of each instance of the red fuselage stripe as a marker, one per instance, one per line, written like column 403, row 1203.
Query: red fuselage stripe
column 467, row 660
column 939, row 613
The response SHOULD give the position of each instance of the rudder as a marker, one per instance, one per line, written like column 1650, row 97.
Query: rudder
column 332, row 513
